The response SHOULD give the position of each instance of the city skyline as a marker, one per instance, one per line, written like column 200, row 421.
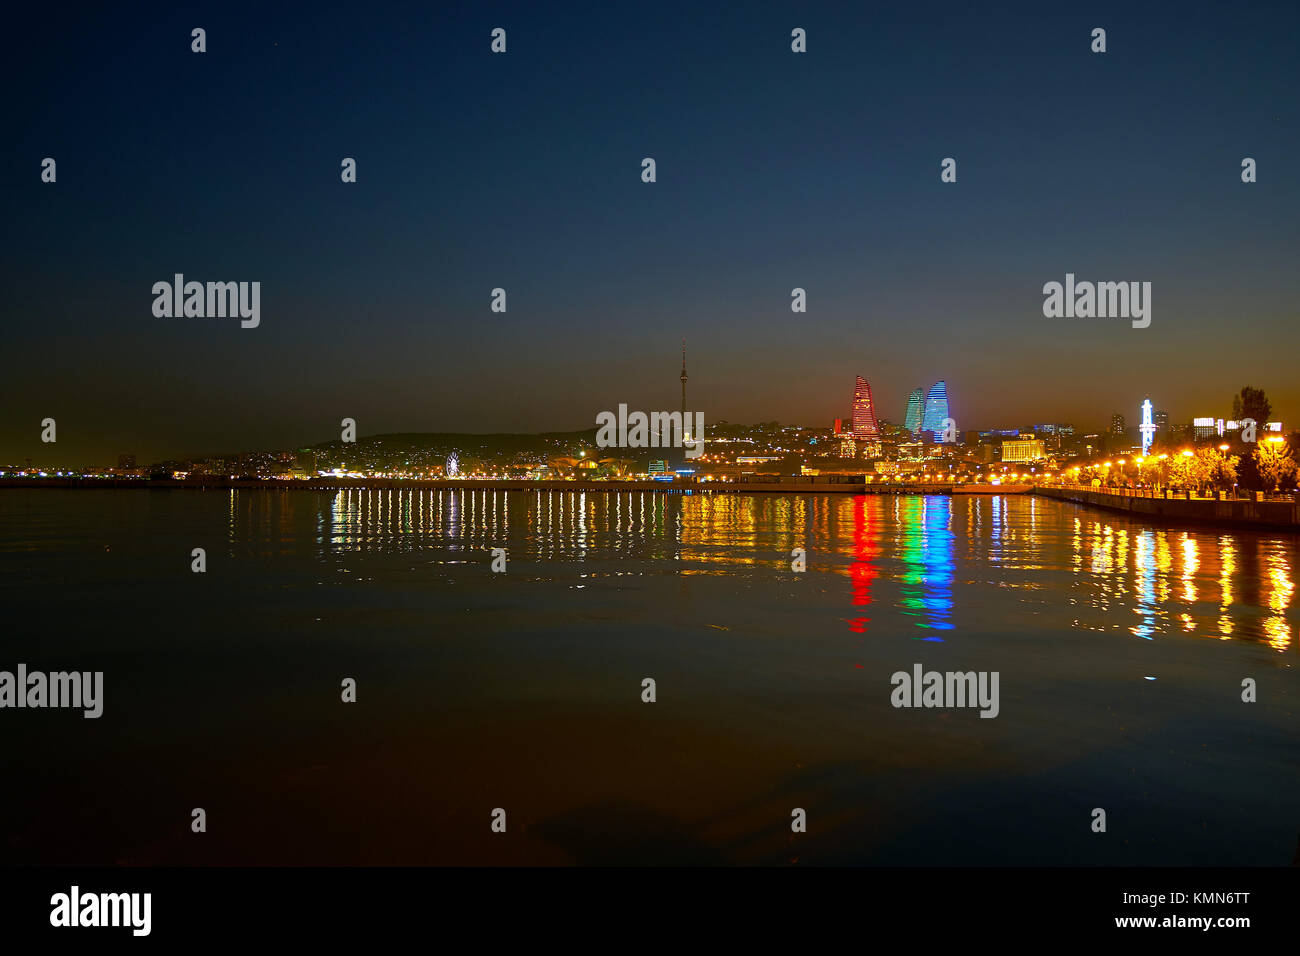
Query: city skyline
column 862, row 424
column 932, row 410
column 377, row 295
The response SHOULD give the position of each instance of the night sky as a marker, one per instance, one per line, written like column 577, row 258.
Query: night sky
column 523, row 171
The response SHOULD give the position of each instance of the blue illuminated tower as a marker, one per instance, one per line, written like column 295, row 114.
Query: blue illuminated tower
column 936, row 408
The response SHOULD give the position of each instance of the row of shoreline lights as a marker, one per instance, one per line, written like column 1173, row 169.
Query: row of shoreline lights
column 1186, row 453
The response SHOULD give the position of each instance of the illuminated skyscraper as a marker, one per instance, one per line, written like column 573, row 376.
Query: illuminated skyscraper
column 864, row 413
column 936, row 409
column 912, row 420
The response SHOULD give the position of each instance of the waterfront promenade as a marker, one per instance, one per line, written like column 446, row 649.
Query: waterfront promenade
column 1272, row 511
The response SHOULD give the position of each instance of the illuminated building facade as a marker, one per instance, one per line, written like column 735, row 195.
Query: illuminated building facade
column 865, row 425
column 1031, row 449
column 936, row 409
column 912, row 419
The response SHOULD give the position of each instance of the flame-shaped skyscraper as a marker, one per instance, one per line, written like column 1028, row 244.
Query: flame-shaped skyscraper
column 865, row 425
column 912, row 420
column 936, row 409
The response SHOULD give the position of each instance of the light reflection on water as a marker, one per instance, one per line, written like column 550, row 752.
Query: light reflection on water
column 926, row 561
column 523, row 689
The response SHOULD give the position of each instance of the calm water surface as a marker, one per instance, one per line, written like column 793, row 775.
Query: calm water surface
column 1121, row 649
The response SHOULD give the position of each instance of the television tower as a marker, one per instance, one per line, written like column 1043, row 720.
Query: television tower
column 1147, row 428
column 686, row 433
column 683, row 379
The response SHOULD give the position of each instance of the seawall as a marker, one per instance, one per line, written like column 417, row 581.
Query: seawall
column 1276, row 513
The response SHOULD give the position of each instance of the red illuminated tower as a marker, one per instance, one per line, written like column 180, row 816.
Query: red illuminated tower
column 864, row 413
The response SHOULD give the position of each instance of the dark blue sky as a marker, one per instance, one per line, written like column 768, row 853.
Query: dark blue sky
column 522, row 170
